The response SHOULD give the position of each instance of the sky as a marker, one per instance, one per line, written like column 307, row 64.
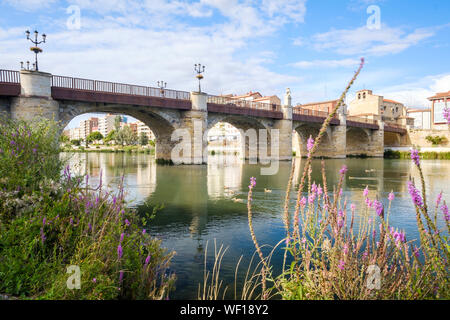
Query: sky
column 312, row 47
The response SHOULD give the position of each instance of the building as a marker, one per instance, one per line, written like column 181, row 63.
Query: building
column 439, row 102
column 141, row 127
column 325, row 106
column 422, row 118
column 88, row 126
column 368, row 104
column 75, row 134
column 106, row 124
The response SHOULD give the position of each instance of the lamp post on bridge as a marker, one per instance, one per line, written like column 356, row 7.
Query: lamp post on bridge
column 199, row 69
column 35, row 48
column 162, row 85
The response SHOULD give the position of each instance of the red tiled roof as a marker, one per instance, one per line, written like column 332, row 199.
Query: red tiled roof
column 392, row 101
column 440, row 95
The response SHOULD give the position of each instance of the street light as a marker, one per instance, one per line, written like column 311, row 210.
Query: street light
column 199, row 69
column 162, row 85
column 35, row 48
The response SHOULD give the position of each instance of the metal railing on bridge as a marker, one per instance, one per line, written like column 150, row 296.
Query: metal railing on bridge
column 241, row 103
column 310, row 112
column 9, row 76
column 117, row 88
column 362, row 120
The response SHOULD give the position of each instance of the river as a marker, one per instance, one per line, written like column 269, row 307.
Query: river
column 201, row 203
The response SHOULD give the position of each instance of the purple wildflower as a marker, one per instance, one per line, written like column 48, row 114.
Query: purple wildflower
column 119, row 251
column 378, row 207
column 311, row 197
column 343, row 170
column 415, row 156
column 94, row 280
column 341, row 264
column 144, row 231
column 43, row 237
column 252, row 182
column 446, row 114
column 314, row 188
column 302, row 201
column 366, row 191
column 310, row 144
column 417, row 199
column 147, row 260
column 122, row 235
column 438, row 199
column 345, row 248
column 127, row 222
column 445, row 212
column 121, row 276
column 319, row 190
column 391, row 196
column 353, row 207
column 416, row 252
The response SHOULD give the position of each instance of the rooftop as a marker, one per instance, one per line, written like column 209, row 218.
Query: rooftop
column 440, row 95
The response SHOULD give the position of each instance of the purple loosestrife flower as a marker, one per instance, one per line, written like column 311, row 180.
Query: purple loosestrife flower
column 43, row 237
column 310, row 143
column 444, row 209
column 415, row 157
column 343, row 170
column 252, row 183
column 378, row 207
column 127, row 222
column 446, row 114
column 311, row 198
column 94, row 280
column 119, row 251
column 144, row 231
column 147, row 260
column 319, row 190
column 314, row 188
column 341, row 265
column 391, row 196
column 416, row 252
column 415, row 195
column 121, row 276
column 366, row 191
column 345, row 248
column 353, row 207
column 302, row 201
column 438, row 199
column 122, row 235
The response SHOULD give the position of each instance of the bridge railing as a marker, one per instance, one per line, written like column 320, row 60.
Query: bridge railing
column 244, row 103
column 394, row 125
column 9, row 76
column 117, row 88
column 362, row 120
column 310, row 112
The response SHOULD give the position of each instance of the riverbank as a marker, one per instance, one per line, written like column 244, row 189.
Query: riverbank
column 425, row 155
column 112, row 149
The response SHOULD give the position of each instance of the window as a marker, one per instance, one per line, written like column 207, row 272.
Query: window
column 364, row 95
column 359, row 95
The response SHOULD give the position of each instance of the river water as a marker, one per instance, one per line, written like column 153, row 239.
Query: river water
column 207, row 203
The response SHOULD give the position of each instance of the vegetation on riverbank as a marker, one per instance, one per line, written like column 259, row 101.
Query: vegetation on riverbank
column 98, row 149
column 333, row 252
column 51, row 223
column 429, row 155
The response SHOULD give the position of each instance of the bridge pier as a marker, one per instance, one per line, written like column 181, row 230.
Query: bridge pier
column 35, row 99
column 284, row 126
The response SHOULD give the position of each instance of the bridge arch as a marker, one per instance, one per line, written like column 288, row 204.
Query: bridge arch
column 358, row 141
column 249, row 128
column 303, row 131
column 162, row 122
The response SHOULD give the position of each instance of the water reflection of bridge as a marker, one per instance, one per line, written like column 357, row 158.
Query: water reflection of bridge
column 193, row 195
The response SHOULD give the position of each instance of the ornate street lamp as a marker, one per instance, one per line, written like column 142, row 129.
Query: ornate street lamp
column 35, row 48
column 199, row 69
column 162, row 85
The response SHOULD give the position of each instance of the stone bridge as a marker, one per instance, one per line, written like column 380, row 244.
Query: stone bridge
column 168, row 113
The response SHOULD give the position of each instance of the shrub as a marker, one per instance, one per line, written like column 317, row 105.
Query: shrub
column 54, row 221
column 436, row 140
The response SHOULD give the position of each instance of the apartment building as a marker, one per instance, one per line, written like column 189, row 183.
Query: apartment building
column 439, row 102
column 422, row 118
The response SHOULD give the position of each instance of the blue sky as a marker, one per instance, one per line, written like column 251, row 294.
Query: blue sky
column 310, row 46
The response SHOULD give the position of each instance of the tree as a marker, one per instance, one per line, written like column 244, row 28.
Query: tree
column 110, row 136
column 64, row 139
column 94, row 136
column 143, row 139
column 76, row 142
column 117, row 121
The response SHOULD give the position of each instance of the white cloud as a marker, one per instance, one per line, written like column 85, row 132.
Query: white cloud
column 361, row 40
column 29, row 5
column 327, row 63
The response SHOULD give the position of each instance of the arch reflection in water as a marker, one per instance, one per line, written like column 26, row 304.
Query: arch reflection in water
column 198, row 206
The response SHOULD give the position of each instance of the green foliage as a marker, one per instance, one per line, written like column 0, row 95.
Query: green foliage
column 76, row 142
column 436, row 140
column 50, row 221
column 94, row 136
column 429, row 155
column 143, row 139
column 152, row 143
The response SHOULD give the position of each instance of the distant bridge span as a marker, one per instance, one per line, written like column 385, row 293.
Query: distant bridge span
column 26, row 94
